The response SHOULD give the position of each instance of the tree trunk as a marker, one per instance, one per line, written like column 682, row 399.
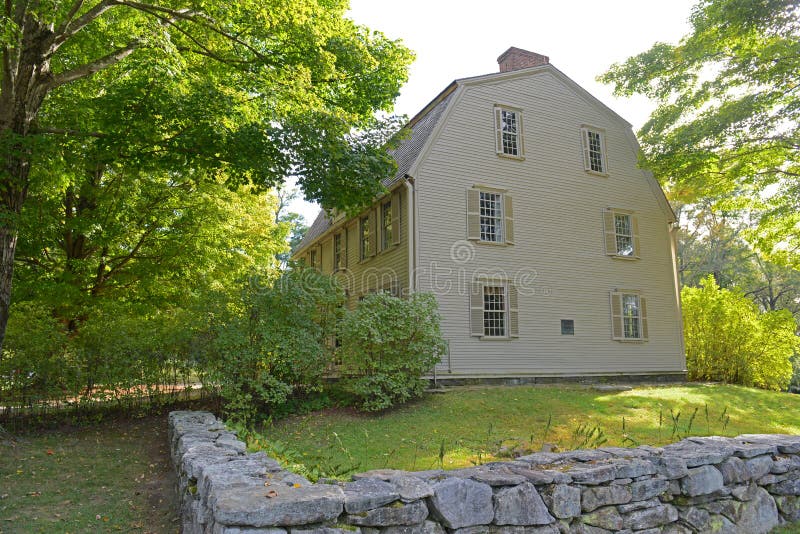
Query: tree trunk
column 8, row 246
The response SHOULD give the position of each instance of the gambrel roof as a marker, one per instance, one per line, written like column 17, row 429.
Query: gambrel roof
column 420, row 126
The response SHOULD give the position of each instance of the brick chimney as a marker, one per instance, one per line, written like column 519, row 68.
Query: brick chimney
column 516, row 58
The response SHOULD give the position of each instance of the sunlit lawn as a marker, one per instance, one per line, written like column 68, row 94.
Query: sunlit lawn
column 471, row 425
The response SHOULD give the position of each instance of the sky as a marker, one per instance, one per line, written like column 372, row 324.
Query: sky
column 460, row 38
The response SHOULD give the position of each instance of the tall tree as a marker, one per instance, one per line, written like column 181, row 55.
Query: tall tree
column 727, row 125
column 296, row 76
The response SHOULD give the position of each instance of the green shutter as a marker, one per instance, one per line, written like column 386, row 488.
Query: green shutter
column 610, row 232
column 396, row 218
column 616, row 316
column 513, row 311
column 509, row 219
column 473, row 214
column 476, row 309
column 635, row 231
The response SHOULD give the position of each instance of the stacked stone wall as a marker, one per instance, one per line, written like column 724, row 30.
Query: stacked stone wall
column 747, row 484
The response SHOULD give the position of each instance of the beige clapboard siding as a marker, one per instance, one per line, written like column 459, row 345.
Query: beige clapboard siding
column 558, row 218
column 378, row 270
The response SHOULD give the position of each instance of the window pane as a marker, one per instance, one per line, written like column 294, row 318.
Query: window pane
column 364, row 237
column 631, row 316
column 595, row 152
column 624, row 234
column 337, row 251
column 494, row 311
column 491, row 213
column 387, row 225
column 509, row 132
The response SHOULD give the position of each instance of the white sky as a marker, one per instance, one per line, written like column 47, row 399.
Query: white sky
column 459, row 38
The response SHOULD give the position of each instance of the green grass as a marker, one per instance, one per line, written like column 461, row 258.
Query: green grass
column 469, row 426
column 112, row 477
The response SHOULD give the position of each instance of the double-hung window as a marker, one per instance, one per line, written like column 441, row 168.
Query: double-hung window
column 386, row 225
column 621, row 233
column 338, row 253
column 491, row 207
column 493, row 309
column 313, row 259
column 490, row 217
column 628, row 316
column 508, row 131
column 364, row 237
column 594, row 150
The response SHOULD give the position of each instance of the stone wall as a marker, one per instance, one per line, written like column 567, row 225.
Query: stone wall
column 747, row 484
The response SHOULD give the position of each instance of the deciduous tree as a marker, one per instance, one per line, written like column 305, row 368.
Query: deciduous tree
column 727, row 123
column 257, row 90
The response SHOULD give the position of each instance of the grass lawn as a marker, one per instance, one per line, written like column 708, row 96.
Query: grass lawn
column 463, row 427
column 112, row 477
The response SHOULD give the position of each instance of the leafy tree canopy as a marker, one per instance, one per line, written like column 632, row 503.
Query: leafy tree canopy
column 726, row 125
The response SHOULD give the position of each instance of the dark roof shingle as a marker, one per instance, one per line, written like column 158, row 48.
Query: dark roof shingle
column 405, row 155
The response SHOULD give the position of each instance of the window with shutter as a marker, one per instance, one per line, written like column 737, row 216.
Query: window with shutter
column 621, row 230
column 628, row 316
column 338, row 264
column 494, row 311
column 386, row 225
column 373, row 232
column 490, row 216
column 594, row 150
column 364, row 237
column 508, row 132
column 396, row 214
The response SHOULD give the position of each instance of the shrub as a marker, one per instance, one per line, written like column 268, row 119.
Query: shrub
column 386, row 345
column 729, row 339
column 277, row 343
column 34, row 360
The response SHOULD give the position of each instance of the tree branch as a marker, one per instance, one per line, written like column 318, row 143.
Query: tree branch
column 68, row 29
column 63, row 131
column 90, row 68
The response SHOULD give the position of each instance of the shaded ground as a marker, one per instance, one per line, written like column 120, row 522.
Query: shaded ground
column 111, row 477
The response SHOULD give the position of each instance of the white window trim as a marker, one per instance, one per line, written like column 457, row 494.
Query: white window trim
column 506, row 314
column 585, row 129
column 497, row 127
column 500, row 225
column 642, row 317
column 635, row 235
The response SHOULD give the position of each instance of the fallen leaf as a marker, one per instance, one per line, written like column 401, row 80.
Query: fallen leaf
column 50, row 452
column 295, row 485
column 272, row 494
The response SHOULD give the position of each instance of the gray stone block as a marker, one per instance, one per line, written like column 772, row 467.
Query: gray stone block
column 759, row 466
column 697, row 454
column 459, row 503
column 651, row 517
column 734, row 471
column 562, row 500
column 701, row 481
column 607, row 517
column 595, row 497
column 634, row 468
column 411, row 488
column 288, row 507
column 368, row 493
column 593, row 474
column 760, row 515
column 397, row 514
column 670, row 467
column 789, row 506
column 647, row 489
column 520, row 505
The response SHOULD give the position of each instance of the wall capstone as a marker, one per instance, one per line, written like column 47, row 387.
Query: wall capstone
column 748, row 484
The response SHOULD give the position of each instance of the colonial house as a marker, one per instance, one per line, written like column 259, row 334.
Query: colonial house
column 518, row 202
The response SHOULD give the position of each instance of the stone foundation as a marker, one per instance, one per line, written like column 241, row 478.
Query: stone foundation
column 747, row 484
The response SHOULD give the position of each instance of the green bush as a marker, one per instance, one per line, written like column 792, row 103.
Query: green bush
column 730, row 340
column 35, row 361
column 386, row 345
column 277, row 343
